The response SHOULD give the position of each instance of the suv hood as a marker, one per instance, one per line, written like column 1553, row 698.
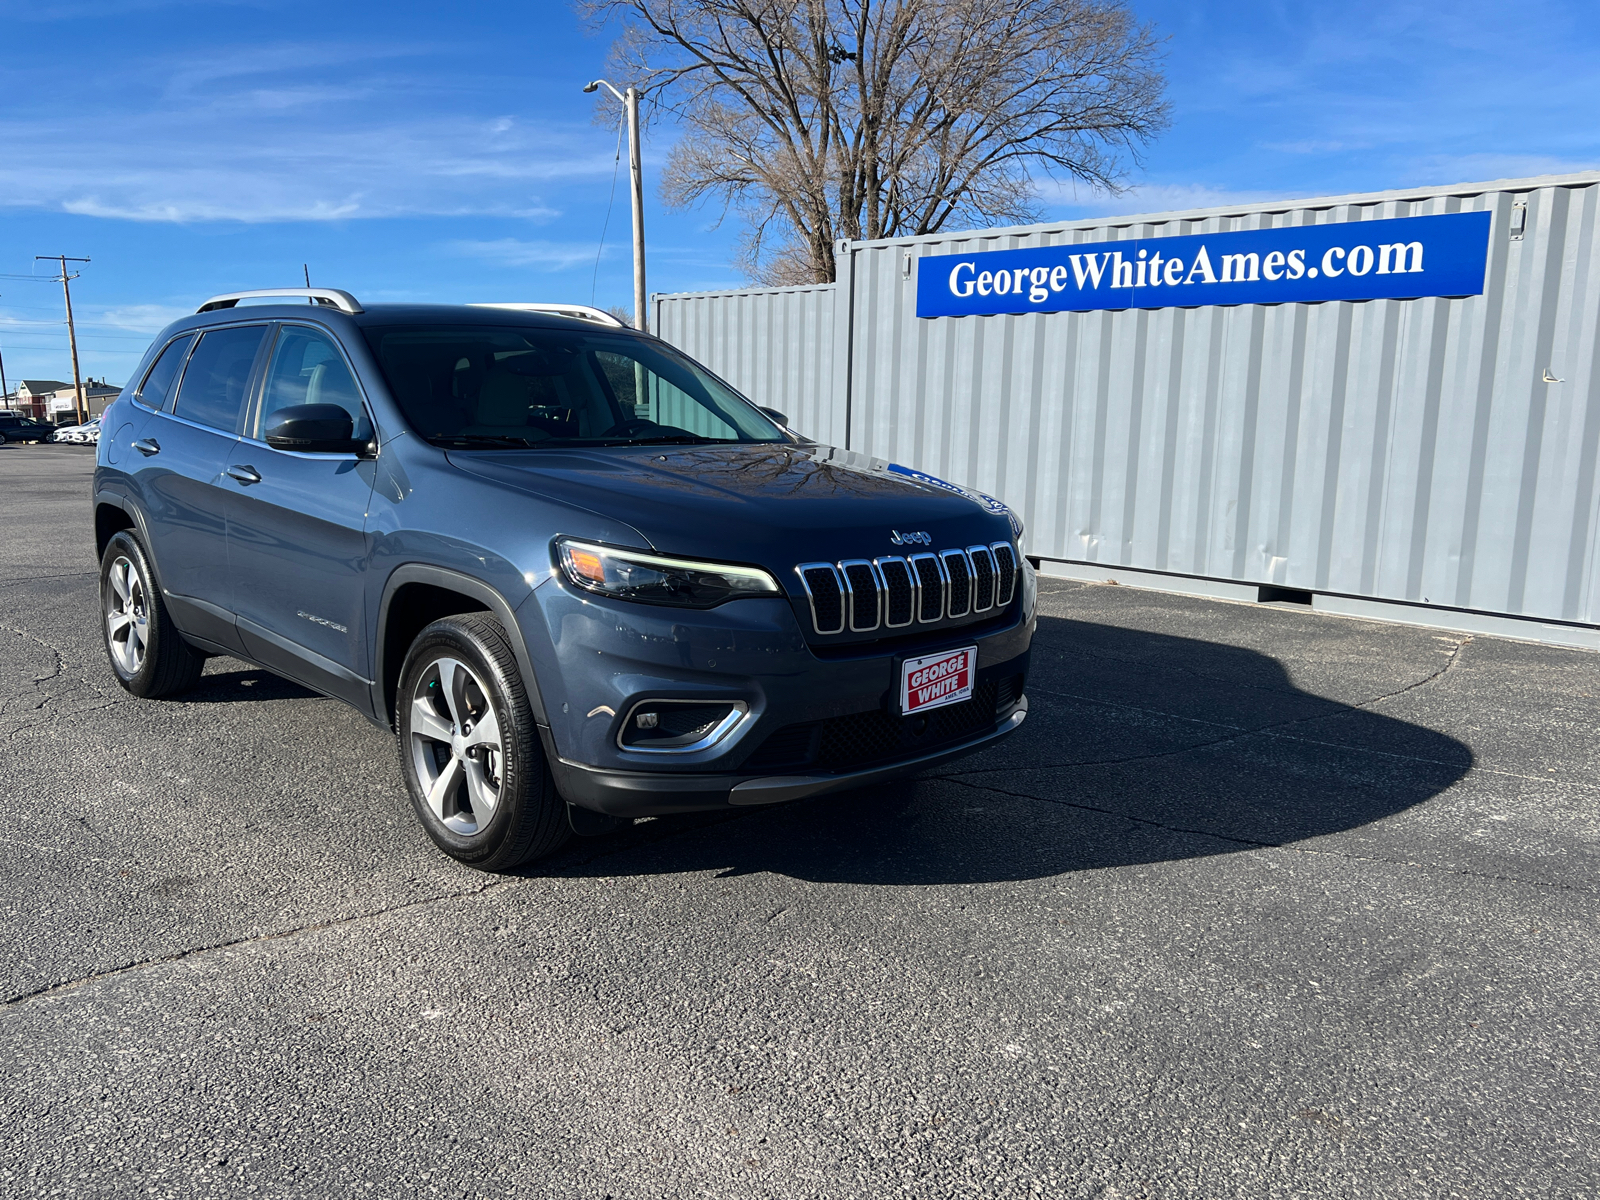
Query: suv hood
column 771, row 504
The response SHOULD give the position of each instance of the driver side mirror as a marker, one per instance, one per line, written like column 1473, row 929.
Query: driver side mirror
column 313, row 429
column 777, row 416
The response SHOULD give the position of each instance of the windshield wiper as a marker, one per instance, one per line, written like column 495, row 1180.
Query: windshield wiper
column 687, row 439
column 485, row 439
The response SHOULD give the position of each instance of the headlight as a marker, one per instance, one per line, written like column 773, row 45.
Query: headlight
column 652, row 579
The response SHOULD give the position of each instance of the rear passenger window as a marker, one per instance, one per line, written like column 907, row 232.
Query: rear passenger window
column 307, row 368
column 157, row 385
column 213, row 387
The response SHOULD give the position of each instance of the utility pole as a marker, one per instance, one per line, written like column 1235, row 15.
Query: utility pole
column 5, row 390
column 79, row 406
column 630, row 102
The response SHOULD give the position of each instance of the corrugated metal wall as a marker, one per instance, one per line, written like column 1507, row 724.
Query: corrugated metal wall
column 776, row 345
column 1393, row 449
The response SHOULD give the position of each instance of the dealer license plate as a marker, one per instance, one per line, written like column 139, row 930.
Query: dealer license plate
column 935, row 680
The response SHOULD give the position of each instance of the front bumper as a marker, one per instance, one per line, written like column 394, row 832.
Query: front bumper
column 622, row 793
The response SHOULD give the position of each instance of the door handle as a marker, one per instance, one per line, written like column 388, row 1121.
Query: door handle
column 147, row 446
column 245, row 475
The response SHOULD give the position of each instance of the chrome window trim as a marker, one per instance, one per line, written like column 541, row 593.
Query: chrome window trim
column 994, row 576
column 949, row 600
column 321, row 455
column 193, row 424
column 844, row 615
column 883, row 582
column 740, row 710
column 1016, row 570
column 944, row 586
column 136, row 395
column 850, row 599
column 252, row 387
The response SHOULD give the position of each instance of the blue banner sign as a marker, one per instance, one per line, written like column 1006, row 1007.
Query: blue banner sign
column 1401, row 257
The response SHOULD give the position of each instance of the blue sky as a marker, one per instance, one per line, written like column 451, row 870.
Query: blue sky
column 444, row 152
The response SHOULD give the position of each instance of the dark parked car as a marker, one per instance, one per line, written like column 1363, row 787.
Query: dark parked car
column 580, row 577
column 25, row 429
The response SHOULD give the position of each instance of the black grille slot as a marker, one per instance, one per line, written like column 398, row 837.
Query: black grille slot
column 932, row 582
column 1007, row 694
column 791, row 746
column 863, row 595
column 960, row 572
column 982, row 579
column 1006, row 579
column 827, row 602
column 897, row 593
column 862, row 739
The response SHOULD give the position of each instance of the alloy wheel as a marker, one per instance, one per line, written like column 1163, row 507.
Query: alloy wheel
column 127, row 617
column 455, row 746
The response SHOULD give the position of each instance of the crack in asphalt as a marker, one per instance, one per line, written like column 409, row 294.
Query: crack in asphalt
column 5, row 583
column 93, row 700
column 491, row 885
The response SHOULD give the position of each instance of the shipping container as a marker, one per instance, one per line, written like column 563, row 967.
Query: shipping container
column 1436, row 451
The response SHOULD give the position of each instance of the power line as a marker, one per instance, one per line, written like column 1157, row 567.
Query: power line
column 616, row 165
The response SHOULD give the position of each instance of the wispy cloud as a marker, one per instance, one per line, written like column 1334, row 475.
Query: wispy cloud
column 513, row 252
column 1473, row 168
column 142, row 318
column 1152, row 198
column 258, row 135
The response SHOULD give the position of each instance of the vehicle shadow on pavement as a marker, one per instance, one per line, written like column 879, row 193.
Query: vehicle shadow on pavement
column 1139, row 747
column 244, row 684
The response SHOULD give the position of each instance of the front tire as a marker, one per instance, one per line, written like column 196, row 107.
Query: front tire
column 148, row 655
column 469, row 748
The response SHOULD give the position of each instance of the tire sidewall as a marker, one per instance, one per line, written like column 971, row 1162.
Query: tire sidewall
column 125, row 545
column 522, row 767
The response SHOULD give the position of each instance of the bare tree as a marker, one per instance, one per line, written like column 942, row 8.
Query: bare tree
column 826, row 119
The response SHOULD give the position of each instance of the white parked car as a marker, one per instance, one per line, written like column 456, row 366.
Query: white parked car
column 86, row 434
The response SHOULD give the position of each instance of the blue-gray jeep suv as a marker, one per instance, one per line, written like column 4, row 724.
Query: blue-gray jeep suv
column 579, row 576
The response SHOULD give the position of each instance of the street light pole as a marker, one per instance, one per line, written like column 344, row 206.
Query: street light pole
column 78, row 403
column 630, row 102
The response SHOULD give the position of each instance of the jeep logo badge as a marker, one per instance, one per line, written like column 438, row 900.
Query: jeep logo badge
column 918, row 538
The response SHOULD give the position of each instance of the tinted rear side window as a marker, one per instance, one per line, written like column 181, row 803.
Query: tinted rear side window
column 214, row 383
column 157, row 385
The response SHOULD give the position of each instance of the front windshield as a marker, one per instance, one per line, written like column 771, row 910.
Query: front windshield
column 509, row 386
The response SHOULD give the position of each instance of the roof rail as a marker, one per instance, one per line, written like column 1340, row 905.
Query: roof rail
column 332, row 297
column 581, row 312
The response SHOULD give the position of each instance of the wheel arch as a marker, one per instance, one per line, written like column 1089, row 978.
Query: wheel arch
column 416, row 595
column 111, row 517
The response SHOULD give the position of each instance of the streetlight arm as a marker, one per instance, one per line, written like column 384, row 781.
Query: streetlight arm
column 596, row 84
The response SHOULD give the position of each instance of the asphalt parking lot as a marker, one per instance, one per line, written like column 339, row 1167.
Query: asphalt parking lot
column 1258, row 903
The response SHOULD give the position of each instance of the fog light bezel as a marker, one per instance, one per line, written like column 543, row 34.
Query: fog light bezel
column 737, row 712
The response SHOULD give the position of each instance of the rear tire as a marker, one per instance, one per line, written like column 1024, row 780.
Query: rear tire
column 147, row 653
column 469, row 749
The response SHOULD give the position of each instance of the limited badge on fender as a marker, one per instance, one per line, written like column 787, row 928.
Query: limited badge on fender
column 935, row 680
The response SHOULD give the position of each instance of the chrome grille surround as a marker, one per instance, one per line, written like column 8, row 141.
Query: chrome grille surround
column 896, row 566
column 958, row 582
column 871, row 593
column 1007, row 569
column 930, row 595
column 804, row 571
column 861, row 581
column 985, row 574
